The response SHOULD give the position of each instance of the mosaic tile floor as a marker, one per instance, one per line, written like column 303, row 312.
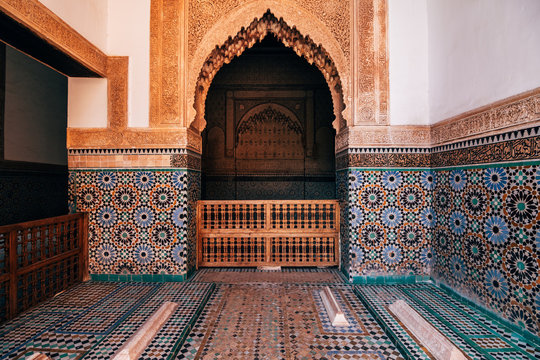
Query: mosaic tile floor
column 477, row 335
column 251, row 314
column 92, row 320
column 283, row 321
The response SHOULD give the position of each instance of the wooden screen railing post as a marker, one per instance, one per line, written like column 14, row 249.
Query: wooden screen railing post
column 12, row 273
column 198, row 241
column 83, row 246
column 337, row 227
column 41, row 257
column 267, row 227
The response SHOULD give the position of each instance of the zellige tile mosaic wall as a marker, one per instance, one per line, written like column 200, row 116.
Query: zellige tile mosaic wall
column 471, row 220
column 138, row 219
column 487, row 238
column 390, row 222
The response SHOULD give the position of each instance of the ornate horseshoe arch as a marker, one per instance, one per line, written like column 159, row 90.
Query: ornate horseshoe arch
column 247, row 37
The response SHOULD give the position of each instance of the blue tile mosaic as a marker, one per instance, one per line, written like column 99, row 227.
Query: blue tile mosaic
column 487, row 238
column 389, row 222
column 141, row 221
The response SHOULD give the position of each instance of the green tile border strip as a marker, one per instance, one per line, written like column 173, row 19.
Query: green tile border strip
column 453, row 167
column 387, row 330
column 390, row 279
column 139, row 277
column 414, row 279
column 490, row 313
column 187, row 329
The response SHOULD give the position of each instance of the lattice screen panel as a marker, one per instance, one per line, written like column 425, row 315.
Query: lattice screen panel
column 227, row 215
column 303, row 216
column 255, row 233
column 304, row 251
column 248, row 251
column 46, row 281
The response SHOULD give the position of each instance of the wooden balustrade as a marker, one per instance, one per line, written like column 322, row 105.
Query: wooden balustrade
column 268, row 233
column 39, row 259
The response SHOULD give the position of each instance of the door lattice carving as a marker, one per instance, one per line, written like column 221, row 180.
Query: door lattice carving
column 271, row 233
column 270, row 135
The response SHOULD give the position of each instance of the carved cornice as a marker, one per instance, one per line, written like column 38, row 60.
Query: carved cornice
column 513, row 113
column 38, row 18
column 125, row 138
column 391, row 136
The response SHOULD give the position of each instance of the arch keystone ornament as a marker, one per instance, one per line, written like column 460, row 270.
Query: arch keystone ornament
column 303, row 46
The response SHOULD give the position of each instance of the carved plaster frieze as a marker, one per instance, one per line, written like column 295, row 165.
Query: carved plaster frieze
column 298, row 19
column 38, row 18
column 117, row 91
column 390, row 136
column 203, row 14
column 370, row 84
column 168, row 63
column 517, row 112
column 127, row 138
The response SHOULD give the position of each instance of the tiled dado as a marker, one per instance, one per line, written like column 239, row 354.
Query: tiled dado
column 487, row 237
column 518, row 145
column 390, row 218
column 141, row 221
column 132, row 158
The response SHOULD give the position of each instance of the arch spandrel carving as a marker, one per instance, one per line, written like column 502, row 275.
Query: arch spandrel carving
column 329, row 59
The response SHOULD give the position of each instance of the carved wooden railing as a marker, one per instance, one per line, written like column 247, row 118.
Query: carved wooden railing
column 268, row 233
column 39, row 259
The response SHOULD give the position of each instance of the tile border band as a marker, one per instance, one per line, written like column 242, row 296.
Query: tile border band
column 462, row 167
column 488, row 312
column 380, row 321
column 416, row 279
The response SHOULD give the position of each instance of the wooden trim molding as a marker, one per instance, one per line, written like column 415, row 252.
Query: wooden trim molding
column 47, row 25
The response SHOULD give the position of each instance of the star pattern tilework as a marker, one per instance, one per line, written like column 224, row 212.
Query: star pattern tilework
column 139, row 220
column 487, row 238
column 390, row 217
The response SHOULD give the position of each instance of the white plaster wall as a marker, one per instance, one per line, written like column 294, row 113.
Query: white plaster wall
column 85, row 96
column 408, row 62
column 480, row 51
column 129, row 35
column 88, row 17
column 87, row 105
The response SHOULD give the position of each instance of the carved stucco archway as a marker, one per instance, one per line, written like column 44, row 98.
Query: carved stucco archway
column 233, row 47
